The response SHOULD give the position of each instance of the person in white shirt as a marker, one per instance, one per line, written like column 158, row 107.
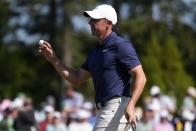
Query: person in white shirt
column 57, row 124
column 82, row 124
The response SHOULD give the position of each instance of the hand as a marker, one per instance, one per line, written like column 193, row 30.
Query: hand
column 131, row 116
column 46, row 50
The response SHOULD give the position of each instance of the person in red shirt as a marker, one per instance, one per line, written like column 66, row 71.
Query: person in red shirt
column 49, row 118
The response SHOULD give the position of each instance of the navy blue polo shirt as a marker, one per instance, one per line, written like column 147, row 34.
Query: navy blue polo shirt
column 109, row 63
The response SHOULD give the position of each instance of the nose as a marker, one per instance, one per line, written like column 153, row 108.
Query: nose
column 93, row 21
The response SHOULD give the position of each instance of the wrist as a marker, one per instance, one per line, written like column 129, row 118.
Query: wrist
column 55, row 61
column 131, row 104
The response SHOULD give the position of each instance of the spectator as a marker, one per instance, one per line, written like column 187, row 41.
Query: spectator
column 164, row 124
column 49, row 118
column 164, row 101
column 7, row 123
column 146, row 123
column 160, row 102
column 188, row 118
column 92, row 109
column 72, row 100
column 50, row 100
column 57, row 124
column 82, row 123
column 194, row 124
column 26, row 119
column 6, row 103
column 73, row 119
column 188, row 101
column 177, row 121
column 14, row 114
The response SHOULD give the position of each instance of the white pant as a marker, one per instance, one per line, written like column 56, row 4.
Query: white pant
column 111, row 117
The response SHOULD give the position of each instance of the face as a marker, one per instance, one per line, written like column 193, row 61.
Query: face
column 98, row 26
column 69, row 93
column 56, row 121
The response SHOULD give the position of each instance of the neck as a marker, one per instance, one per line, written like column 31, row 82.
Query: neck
column 103, row 36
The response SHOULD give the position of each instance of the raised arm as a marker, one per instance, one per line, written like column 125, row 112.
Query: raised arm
column 73, row 76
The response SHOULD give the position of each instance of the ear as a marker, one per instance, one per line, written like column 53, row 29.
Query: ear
column 109, row 23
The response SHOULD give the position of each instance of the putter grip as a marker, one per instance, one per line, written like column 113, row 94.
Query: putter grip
column 130, row 126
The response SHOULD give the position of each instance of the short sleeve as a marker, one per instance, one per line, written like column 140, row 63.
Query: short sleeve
column 86, row 64
column 127, row 56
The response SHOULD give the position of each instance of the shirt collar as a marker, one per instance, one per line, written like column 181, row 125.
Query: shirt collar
column 107, row 39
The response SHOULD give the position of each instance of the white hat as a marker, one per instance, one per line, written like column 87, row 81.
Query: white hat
column 103, row 11
column 17, row 103
column 150, row 107
column 83, row 114
column 155, row 90
column 153, row 107
column 192, row 91
column 49, row 109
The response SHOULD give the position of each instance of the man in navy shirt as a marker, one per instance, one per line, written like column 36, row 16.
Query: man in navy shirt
column 116, row 71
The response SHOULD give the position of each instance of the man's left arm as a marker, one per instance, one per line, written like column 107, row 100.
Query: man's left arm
column 138, row 83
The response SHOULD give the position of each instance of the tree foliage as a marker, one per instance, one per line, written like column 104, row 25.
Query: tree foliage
column 165, row 44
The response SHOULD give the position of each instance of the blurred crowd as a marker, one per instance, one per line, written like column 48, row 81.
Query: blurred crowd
column 158, row 113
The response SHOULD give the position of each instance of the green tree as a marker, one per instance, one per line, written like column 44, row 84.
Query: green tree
column 175, row 76
column 152, row 61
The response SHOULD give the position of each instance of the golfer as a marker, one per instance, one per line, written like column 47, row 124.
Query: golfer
column 114, row 66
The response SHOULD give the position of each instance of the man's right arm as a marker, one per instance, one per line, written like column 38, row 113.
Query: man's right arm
column 73, row 76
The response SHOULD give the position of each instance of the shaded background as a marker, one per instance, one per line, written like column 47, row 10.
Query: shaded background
column 162, row 31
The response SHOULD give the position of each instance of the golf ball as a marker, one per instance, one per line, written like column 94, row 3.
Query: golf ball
column 41, row 42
